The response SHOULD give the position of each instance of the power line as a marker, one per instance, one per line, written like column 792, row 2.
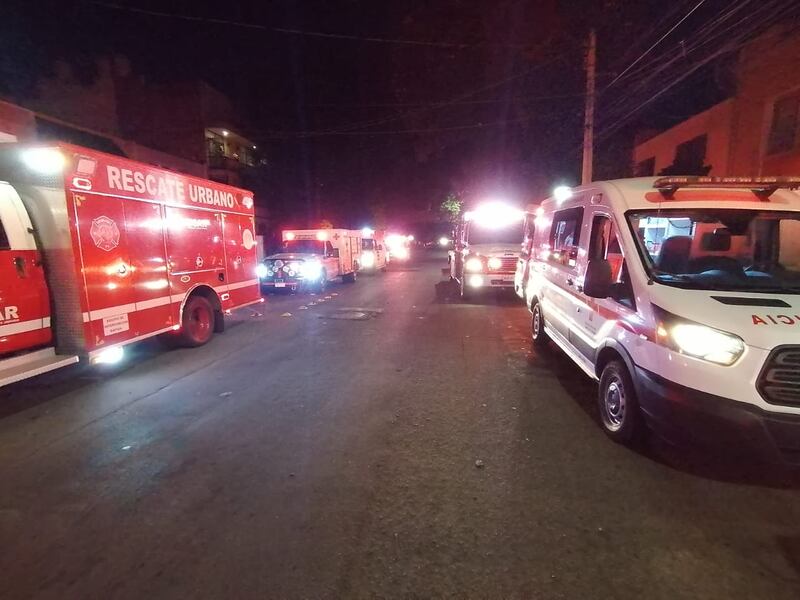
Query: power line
column 657, row 42
column 300, row 32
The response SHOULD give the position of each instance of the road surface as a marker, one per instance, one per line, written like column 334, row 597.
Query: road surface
column 332, row 452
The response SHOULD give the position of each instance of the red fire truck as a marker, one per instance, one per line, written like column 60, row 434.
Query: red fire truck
column 97, row 252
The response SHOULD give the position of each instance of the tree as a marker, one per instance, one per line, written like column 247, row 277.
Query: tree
column 451, row 207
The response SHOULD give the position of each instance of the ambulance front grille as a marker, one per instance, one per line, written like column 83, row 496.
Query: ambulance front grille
column 780, row 380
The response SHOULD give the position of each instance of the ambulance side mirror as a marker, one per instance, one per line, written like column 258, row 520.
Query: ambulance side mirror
column 597, row 281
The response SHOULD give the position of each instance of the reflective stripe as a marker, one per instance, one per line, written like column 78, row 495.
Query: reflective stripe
column 241, row 284
column 112, row 311
column 25, row 326
column 145, row 304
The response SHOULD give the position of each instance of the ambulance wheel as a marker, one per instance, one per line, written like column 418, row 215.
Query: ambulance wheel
column 619, row 408
column 197, row 322
column 349, row 278
column 538, row 334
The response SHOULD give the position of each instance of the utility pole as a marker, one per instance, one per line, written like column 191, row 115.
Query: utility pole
column 588, row 120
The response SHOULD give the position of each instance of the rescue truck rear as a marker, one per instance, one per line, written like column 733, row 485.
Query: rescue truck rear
column 98, row 252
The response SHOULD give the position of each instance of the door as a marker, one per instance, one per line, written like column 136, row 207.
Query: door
column 522, row 270
column 107, row 270
column 594, row 317
column 24, row 298
column 144, row 228
column 330, row 261
column 560, row 291
column 240, row 259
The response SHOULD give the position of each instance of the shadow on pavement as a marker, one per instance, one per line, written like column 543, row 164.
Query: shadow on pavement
column 708, row 463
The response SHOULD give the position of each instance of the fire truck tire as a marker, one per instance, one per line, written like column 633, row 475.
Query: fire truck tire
column 538, row 334
column 620, row 414
column 197, row 322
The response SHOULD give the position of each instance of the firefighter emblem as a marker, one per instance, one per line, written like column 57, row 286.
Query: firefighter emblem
column 105, row 233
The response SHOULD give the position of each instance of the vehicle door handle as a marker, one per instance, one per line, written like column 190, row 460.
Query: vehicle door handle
column 19, row 265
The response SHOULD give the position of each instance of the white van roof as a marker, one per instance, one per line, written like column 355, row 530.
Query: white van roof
column 642, row 193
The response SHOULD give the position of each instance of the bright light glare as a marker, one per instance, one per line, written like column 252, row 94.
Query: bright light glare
column 45, row 161
column 289, row 235
column 474, row 264
column 401, row 253
column 261, row 271
column 562, row 193
column 443, row 241
column 708, row 344
column 495, row 263
column 475, row 281
column 311, row 270
column 367, row 232
column 410, row 238
column 109, row 356
column 495, row 215
column 368, row 259
column 322, row 236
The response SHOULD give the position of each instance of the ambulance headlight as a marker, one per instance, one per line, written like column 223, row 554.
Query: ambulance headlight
column 261, row 271
column 707, row 343
column 495, row 263
column 474, row 264
column 368, row 259
column 311, row 270
column 44, row 161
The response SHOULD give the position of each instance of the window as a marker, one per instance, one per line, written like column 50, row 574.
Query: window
column 530, row 230
column 646, row 168
column 329, row 249
column 565, row 237
column 4, row 244
column 605, row 245
column 783, row 130
column 692, row 152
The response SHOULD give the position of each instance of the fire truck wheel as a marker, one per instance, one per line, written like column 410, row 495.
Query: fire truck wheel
column 538, row 334
column 619, row 408
column 197, row 324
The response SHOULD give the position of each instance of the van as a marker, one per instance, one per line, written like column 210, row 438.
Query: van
column 681, row 297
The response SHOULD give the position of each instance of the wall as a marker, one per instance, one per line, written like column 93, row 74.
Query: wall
column 714, row 122
column 766, row 71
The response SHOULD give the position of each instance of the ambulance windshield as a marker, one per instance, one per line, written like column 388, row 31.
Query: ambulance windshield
column 721, row 249
column 303, row 246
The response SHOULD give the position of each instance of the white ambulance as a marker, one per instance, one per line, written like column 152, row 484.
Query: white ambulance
column 311, row 258
column 486, row 249
column 681, row 296
column 374, row 254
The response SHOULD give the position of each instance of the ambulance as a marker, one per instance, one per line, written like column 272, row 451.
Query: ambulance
column 374, row 253
column 98, row 252
column 681, row 297
column 486, row 248
column 309, row 259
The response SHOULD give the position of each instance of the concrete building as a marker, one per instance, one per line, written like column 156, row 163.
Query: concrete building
column 756, row 132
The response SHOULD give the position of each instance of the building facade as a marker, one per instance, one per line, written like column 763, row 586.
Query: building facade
column 757, row 132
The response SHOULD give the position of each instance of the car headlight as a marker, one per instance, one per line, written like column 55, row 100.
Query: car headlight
column 368, row 259
column 495, row 263
column 311, row 270
column 474, row 264
column 699, row 341
column 261, row 271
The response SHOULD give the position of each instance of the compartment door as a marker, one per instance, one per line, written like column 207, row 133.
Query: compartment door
column 240, row 260
column 107, row 269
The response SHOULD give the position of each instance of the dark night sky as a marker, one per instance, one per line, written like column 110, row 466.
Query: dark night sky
column 489, row 103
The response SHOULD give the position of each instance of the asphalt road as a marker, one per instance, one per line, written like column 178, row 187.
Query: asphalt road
column 332, row 454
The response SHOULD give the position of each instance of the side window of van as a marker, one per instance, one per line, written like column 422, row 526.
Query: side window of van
column 565, row 237
column 4, row 243
column 328, row 249
column 527, row 242
column 605, row 245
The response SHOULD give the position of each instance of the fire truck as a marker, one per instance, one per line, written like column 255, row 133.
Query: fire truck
column 309, row 259
column 97, row 252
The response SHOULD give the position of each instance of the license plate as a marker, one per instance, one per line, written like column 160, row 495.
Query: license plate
column 280, row 284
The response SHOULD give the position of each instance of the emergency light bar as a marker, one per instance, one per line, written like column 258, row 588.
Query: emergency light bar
column 763, row 187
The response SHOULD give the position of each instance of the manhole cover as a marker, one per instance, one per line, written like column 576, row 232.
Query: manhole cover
column 347, row 316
